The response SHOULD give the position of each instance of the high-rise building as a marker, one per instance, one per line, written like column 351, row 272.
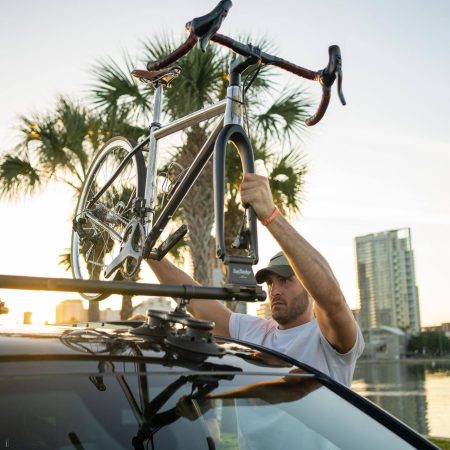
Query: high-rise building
column 70, row 311
column 386, row 279
column 157, row 303
column 263, row 310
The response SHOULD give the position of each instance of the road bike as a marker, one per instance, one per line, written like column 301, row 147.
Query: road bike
column 118, row 220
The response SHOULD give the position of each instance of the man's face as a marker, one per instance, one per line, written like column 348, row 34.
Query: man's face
column 288, row 299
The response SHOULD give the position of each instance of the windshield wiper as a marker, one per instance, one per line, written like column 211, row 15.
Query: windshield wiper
column 75, row 441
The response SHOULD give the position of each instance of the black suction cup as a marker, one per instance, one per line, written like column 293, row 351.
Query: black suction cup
column 196, row 339
column 156, row 328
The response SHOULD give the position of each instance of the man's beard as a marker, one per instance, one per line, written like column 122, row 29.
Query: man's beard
column 287, row 314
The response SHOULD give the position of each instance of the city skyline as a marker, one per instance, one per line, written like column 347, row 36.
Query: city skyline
column 379, row 163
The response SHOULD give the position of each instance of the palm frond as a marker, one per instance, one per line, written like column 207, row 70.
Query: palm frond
column 75, row 120
column 285, row 118
column 57, row 141
column 159, row 46
column 47, row 137
column 201, row 79
column 117, row 122
column 65, row 260
column 17, row 176
column 287, row 180
column 115, row 88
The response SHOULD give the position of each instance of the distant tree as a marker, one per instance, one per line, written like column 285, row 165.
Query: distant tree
column 429, row 343
column 3, row 308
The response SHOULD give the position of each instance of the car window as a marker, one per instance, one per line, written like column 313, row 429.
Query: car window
column 248, row 411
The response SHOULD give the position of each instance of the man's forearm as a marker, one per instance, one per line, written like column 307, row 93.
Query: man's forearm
column 333, row 314
column 168, row 273
column 213, row 310
column 309, row 265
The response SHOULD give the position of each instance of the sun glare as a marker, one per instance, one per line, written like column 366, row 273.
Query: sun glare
column 34, row 307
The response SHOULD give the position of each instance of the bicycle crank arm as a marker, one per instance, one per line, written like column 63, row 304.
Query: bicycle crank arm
column 131, row 251
column 169, row 243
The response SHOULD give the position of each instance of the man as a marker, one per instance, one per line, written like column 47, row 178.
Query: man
column 311, row 319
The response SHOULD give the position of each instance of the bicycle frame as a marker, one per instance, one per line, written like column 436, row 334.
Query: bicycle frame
column 141, row 234
column 229, row 129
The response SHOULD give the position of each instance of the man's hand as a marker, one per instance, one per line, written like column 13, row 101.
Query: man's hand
column 255, row 191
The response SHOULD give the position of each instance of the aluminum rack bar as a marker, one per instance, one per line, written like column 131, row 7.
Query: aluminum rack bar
column 235, row 292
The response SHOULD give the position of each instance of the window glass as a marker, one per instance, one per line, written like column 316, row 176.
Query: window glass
column 242, row 412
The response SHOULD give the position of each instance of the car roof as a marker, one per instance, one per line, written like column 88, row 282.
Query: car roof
column 117, row 343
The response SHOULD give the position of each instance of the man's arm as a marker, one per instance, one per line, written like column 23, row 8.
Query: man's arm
column 333, row 315
column 211, row 310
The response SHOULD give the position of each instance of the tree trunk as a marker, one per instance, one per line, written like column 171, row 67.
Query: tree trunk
column 94, row 307
column 127, row 307
column 198, row 208
column 94, row 312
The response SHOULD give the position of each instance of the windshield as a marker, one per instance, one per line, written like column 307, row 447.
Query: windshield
column 182, row 411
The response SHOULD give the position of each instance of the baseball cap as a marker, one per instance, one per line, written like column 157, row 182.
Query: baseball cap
column 278, row 265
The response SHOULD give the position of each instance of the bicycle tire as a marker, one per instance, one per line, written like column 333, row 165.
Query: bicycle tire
column 92, row 248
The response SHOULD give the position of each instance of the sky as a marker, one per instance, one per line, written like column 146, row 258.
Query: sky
column 381, row 162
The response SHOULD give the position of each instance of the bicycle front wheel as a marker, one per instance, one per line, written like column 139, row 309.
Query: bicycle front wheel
column 98, row 227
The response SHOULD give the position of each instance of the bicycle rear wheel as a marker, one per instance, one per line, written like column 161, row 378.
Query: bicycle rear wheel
column 98, row 227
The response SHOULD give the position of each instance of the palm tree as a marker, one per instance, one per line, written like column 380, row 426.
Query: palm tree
column 56, row 146
column 59, row 146
column 202, row 82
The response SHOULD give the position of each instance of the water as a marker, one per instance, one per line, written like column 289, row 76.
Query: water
column 418, row 393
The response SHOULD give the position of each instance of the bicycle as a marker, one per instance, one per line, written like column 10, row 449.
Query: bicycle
column 115, row 224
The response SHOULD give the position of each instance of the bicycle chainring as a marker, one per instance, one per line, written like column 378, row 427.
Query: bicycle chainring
column 133, row 239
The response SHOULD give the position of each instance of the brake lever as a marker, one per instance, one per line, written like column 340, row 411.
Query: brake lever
column 339, row 87
column 205, row 26
column 333, row 70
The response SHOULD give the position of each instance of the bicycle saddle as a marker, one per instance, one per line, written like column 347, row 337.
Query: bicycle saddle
column 205, row 26
column 163, row 76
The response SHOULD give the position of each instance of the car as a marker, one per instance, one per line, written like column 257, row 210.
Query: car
column 168, row 383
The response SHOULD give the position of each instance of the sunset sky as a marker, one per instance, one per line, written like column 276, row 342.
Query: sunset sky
column 381, row 162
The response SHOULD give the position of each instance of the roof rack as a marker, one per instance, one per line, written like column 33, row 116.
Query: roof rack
column 241, row 293
column 194, row 340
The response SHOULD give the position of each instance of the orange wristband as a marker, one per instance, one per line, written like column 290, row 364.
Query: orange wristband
column 271, row 218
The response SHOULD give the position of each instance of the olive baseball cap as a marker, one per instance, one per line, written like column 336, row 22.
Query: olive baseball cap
column 278, row 265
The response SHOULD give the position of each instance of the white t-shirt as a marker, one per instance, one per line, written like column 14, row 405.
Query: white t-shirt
column 304, row 343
